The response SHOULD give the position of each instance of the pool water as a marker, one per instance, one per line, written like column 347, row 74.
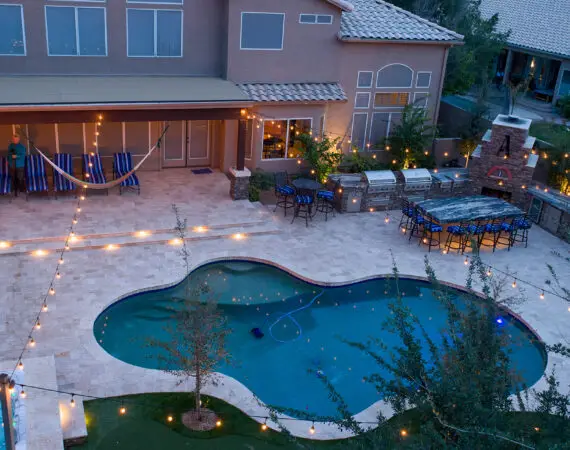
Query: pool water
column 276, row 367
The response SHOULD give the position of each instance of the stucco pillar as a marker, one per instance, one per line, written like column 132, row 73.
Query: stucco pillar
column 241, row 141
column 508, row 66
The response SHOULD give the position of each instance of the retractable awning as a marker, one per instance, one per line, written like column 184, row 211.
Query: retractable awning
column 41, row 93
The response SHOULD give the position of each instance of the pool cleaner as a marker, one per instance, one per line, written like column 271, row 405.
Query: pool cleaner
column 257, row 332
column 288, row 315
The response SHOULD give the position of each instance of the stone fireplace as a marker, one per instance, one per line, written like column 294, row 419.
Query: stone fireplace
column 503, row 164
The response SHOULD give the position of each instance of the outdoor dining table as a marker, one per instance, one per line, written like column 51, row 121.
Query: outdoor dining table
column 468, row 209
column 307, row 184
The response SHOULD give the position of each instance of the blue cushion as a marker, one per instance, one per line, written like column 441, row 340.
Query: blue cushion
column 492, row 228
column 327, row 195
column 92, row 166
column 304, row 199
column 419, row 219
column 522, row 224
column 455, row 229
column 408, row 211
column 433, row 227
column 285, row 190
column 474, row 229
column 5, row 184
column 132, row 180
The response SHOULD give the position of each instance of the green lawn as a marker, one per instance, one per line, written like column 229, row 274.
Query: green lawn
column 145, row 426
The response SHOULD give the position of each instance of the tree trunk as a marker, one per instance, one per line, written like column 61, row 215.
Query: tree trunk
column 197, row 393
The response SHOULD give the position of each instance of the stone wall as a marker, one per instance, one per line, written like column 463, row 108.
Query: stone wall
column 239, row 183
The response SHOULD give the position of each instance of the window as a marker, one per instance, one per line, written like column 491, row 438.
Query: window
column 423, row 80
column 280, row 137
column 154, row 33
column 322, row 19
column 364, row 79
column 379, row 128
column 564, row 88
column 12, row 36
column 362, row 100
column 391, row 99
column 76, row 31
column 395, row 76
column 358, row 132
column 262, row 31
column 421, row 99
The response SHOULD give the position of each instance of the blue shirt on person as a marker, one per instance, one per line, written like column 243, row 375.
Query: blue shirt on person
column 20, row 151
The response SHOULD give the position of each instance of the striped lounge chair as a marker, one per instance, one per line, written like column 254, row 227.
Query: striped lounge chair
column 60, row 183
column 36, row 178
column 93, row 170
column 123, row 164
column 5, row 177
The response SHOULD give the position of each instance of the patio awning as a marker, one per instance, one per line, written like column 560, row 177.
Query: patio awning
column 155, row 92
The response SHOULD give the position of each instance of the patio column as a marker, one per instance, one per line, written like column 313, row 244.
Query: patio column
column 508, row 66
column 6, row 400
column 241, row 142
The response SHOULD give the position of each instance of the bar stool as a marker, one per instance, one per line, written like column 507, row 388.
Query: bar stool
column 456, row 235
column 474, row 230
column 417, row 222
column 407, row 215
column 430, row 228
column 491, row 228
column 325, row 203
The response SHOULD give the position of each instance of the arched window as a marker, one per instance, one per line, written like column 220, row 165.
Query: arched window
column 395, row 76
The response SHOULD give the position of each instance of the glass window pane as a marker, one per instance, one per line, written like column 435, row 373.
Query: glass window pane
column 564, row 84
column 385, row 99
column 324, row 19
column 395, row 75
column 11, row 30
column 395, row 120
column 296, row 128
column 307, row 18
column 420, row 99
column 169, row 33
column 362, row 100
column 424, row 79
column 61, row 30
column 274, row 137
column 140, row 31
column 199, row 131
column 262, row 31
column 92, row 31
column 358, row 136
column 364, row 80
column 379, row 129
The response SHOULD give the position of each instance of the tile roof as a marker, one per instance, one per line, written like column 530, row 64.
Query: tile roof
column 376, row 20
column 342, row 4
column 293, row 92
column 534, row 24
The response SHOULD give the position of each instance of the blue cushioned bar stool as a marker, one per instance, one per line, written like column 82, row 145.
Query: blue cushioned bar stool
column 416, row 224
column 455, row 236
column 407, row 215
column 429, row 230
column 490, row 234
column 473, row 236
column 325, row 203
column 283, row 191
column 517, row 230
column 304, row 201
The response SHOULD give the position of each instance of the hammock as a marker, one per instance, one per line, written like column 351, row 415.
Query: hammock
column 108, row 185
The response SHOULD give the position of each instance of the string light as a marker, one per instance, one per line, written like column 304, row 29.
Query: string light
column 264, row 425
column 38, row 325
column 542, row 295
column 32, row 342
column 170, row 418
column 218, row 423
column 72, row 402
column 51, row 291
column 21, row 365
column 44, row 307
column 58, row 275
column 514, row 283
column 312, row 429
column 23, row 394
column 122, row 410
column 403, row 433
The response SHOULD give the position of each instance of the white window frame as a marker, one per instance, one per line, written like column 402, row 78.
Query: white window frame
column 418, row 77
column 391, row 106
column 371, row 79
column 316, row 22
column 392, row 87
column 365, row 128
column 286, row 138
column 262, row 49
column 356, row 98
column 390, row 123
column 23, row 30
column 77, row 43
column 156, row 32
column 425, row 98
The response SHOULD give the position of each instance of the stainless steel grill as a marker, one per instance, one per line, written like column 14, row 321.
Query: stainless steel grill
column 380, row 181
column 416, row 180
column 450, row 177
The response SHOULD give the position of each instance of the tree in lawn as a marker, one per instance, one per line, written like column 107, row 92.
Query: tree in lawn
column 411, row 139
column 197, row 340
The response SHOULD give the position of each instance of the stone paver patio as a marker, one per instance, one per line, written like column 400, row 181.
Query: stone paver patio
column 345, row 248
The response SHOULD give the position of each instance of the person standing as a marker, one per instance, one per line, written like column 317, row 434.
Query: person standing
column 18, row 153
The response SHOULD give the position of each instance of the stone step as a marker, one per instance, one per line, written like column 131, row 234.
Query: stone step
column 149, row 237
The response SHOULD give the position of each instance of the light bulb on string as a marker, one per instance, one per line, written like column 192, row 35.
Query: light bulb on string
column 218, row 423
column 44, row 307
column 466, row 261
column 514, row 285
column 312, row 429
column 122, row 410
column 61, row 261
column 58, row 275
column 22, row 393
column 264, row 426
column 542, row 295
column 72, row 402
column 38, row 325
column 489, row 273
column 51, row 291
column 21, row 365
column 32, row 342
column 170, row 419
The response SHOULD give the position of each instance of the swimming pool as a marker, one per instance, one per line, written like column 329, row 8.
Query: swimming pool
column 275, row 367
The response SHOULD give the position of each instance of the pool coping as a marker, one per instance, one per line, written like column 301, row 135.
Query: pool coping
column 298, row 427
